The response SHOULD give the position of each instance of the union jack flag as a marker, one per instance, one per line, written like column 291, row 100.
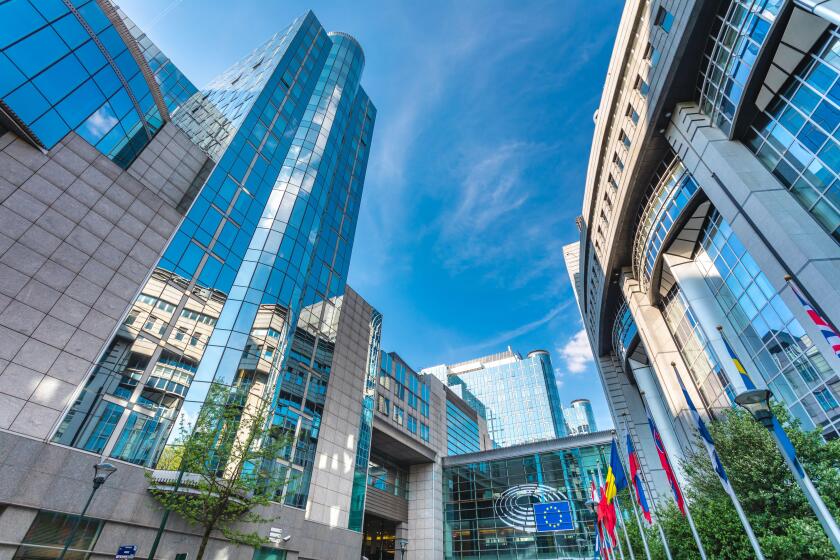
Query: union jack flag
column 827, row 330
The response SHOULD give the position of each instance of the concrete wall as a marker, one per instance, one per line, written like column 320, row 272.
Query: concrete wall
column 78, row 235
column 332, row 474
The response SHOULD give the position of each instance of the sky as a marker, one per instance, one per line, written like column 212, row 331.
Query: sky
column 477, row 165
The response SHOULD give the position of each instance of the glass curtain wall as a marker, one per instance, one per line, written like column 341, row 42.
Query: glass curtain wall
column 248, row 293
column 797, row 136
column 480, row 523
column 786, row 357
column 64, row 67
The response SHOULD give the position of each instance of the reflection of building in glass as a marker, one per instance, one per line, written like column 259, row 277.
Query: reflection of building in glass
column 489, row 498
column 166, row 241
column 713, row 175
column 579, row 417
column 519, row 395
column 264, row 247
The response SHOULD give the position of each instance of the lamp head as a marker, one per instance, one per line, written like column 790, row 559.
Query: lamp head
column 287, row 538
column 101, row 473
column 757, row 403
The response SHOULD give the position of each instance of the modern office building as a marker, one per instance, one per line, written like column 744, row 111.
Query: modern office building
column 579, row 417
column 417, row 422
column 157, row 241
column 491, row 499
column 519, row 395
column 713, row 176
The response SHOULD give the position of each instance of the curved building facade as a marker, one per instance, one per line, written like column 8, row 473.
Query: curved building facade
column 709, row 197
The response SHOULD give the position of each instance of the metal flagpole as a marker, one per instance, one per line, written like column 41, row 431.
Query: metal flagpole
column 624, row 528
column 632, row 501
column 653, row 508
column 717, row 466
column 621, row 521
column 694, row 531
column 688, row 517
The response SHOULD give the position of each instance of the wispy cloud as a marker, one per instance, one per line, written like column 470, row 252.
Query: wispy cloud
column 507, row 337
column 576, row 352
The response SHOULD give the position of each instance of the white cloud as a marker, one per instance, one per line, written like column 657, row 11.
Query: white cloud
column 577, row 353
column 506, row 338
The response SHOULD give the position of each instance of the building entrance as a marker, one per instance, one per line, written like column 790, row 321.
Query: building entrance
column 378, row 538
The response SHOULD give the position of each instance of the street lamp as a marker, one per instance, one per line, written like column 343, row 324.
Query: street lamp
column 101, row 473
column 757, row 403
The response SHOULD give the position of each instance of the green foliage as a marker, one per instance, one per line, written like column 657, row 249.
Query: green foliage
column 777, row 509
column 227, row 467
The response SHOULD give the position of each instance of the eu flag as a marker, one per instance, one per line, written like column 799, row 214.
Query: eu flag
column 553, row 516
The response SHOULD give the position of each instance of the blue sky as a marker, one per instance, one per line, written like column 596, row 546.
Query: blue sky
column 477, row 165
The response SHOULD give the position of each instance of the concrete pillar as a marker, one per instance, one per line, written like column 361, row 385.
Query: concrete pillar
column 425, row 512
column 14, row 523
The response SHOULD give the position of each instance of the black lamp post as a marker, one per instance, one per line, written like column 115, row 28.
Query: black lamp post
column 101, row 473
column 757, row 403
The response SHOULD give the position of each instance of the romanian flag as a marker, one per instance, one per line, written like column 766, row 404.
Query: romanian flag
column 636, row 477
column 616, row 477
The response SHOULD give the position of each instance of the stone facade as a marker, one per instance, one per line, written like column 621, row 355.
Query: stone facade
column 79, row 237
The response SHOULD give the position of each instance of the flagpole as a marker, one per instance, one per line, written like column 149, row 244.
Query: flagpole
column 727, row 486
column 654, row 507
column 620, row 519
column 624, row 528
column 633, row 502
column 694, row 531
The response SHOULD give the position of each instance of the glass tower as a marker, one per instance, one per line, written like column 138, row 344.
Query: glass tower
column 579, row 417
column 248, row 293
column 519, row 395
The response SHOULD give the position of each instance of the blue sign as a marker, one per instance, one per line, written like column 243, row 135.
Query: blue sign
column 553, row 516
column 126, row 552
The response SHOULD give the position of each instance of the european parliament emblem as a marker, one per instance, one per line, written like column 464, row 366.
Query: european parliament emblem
column 553, row 516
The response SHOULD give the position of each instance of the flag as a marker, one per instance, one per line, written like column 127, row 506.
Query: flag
column 607, row 515
column 616, row 477
column 826, row 328
column 636, row 477
column 706, row 437
column 666, row 465
column 781, row 435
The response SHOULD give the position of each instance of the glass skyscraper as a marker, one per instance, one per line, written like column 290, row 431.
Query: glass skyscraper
column 579, row 417
column 248, row 293
column 519, row 394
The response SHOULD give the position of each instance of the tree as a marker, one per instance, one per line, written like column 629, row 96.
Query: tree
column 777, row 509
column 228, row 467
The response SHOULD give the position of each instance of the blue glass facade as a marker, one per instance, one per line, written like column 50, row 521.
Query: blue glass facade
column 360, row 469
column 520, row 397
column 248, row 293
column 174, row 86
column 797, row 137
column 64, row 67
column 673, row 189
column 488, row 504
column 786, row 357
column 737, row 35
column 461, row 431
